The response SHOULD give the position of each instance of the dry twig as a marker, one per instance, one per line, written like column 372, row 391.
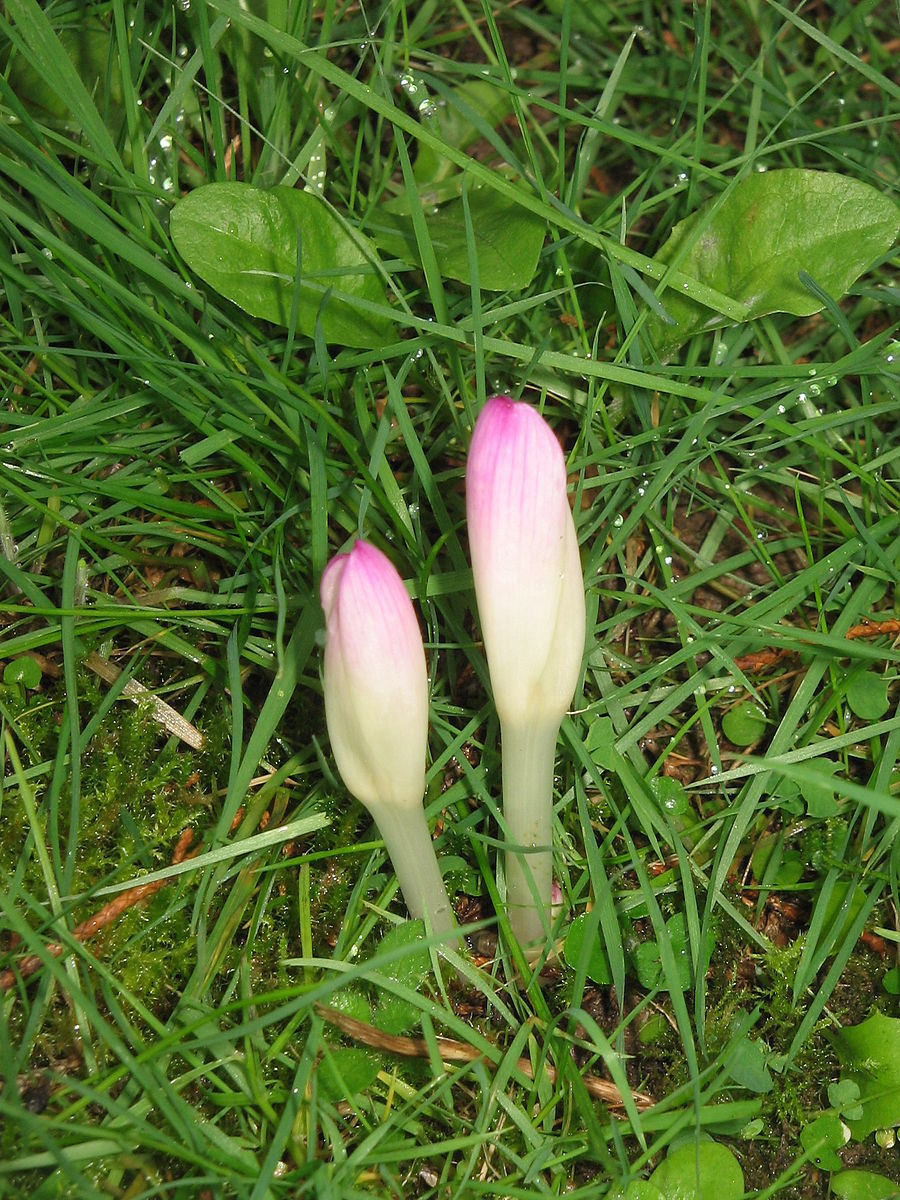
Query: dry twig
column 453, row 1051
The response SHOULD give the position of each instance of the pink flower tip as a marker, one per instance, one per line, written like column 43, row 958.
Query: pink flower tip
column 375, row 679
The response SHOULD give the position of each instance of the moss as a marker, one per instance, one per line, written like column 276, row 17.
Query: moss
column 137, row 795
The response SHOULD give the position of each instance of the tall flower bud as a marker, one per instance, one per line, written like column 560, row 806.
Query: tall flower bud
column 376, row 707
column 530, row 592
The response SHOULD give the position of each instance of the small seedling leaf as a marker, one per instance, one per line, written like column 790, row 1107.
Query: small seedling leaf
column 863, row 1185
column 744, row 724
column 835, row 903
column 598, row 968
column 647, row 960
column 243, row 241
column 867, row 695
column 600, row 743
column 747, row 1066
column 697, row 1171
column 25, row 672
column 788, row 866
column 819, row 793
column 843, row 1095
column 823, row 1137
column 870, row 1056
column 753, row 244
column 670, row 795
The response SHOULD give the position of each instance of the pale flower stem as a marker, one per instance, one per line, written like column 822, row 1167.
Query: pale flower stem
column 529, row 753
column 408, row 841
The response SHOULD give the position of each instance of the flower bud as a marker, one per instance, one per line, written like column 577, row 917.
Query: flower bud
column 530, row 592
column 525, row 561
column 376, row 707
column 375, row 680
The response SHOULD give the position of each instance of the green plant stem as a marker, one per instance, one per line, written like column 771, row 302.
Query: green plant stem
column 529, row 752
column 408, row 841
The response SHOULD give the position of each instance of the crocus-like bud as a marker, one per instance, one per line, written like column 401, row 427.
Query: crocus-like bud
column 376, row 708
column 530, row 592
column 525, row 561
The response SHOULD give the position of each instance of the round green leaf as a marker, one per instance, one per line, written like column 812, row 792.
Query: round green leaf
column 744, row 724
column 746, row 1064
column 867, row 695
column 819, row 793
column 891, row 981
column 244, row 240
column 647, row 959
column 698, row 1171
column 753, row 1128
column 597, row 964
column 670, row 795
column 823, row 1138
column 870, row 1056
column 23, row 671
column 863, row 1185
column 638, row 1189
column 600, row 742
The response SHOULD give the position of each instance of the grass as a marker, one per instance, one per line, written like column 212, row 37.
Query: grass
column 175, row 475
